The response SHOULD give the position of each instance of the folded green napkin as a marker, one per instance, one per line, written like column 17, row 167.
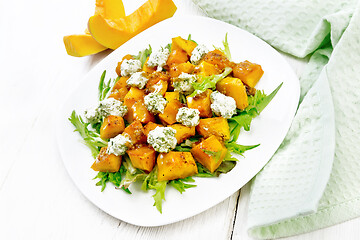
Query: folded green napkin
column 312, row 181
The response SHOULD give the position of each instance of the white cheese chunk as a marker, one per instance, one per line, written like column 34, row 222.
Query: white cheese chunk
column 188, row 116
column 118, row 145
column 129, row 67
column 198, row 53
column 158, row 58
column 138, row 80
column 183, row 83
column 162, row 139
column 111, row 106
column 222, row 105
column 155, row 102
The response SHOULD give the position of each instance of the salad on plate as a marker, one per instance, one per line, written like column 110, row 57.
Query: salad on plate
column 171, row 115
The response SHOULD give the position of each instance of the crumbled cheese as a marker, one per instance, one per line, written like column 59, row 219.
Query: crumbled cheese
column 155, row 102
column 111, row 106
column 92, row 115
column 138, row 80
column 158, row 58
column 222, row 105
column 118, row 145
column 188, row 116
column 184, row 82
column 162, row 139
column 198, row 53
column 128, row 67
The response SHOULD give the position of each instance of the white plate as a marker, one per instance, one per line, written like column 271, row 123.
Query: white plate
column 269, row 129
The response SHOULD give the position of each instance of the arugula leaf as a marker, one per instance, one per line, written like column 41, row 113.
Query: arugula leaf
column 229, row 157
column 239, row 149
column 151, row 182
column 257, row 103
column 114, row 178
column 188, row 144
column 180, row 148
column 180, row 185
column 226, row 49
column 91, row 139
column 105, row 87
column 143, row 55
column 189, row 38
column 209, row 82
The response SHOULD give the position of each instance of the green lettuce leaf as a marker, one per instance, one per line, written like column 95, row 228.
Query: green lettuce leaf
column 209, row 82
column 143, row 55
column 105, row 87
column 226, row 49
column 114, row 178
column 91, row 138
column 181, row 185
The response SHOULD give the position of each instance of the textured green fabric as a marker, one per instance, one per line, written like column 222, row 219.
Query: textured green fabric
column 290, row 195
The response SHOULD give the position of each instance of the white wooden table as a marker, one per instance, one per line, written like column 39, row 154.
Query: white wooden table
column 37, row 198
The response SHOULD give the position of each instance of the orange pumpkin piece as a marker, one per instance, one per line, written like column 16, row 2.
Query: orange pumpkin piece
column 201, row 102
column 134, row 100
column 170, row 111
column 217, row 58
column 135, row 132
column 176, row 69
column 233, row 87
column 111, row 127
column 210, row 153
column 216, row 126
column 158, row 82
column 170, row 96
column 179, row 43
column 112, row 33
column 106, row 162
column 150, row 126
column 174, row 165
column 120, row 89
column 249, row 73
column 142, row 157
column 182, row 132
column 177, row 56
column 148, row 69
column 206, row 69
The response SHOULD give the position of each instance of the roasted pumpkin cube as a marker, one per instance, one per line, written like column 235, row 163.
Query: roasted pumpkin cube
column 120, row 89
column 150, row 126
column 249, row 73
column 135, row 132
column 177, row 56
column 111, row 127
column 233, row 87
column 148, row 69
column 210, row 153
column 186, row 45
column 160, row 86
column 218, row 58
column 134, row 100
column 217, row 126
column 174, row 165
column 175, row 70
column 206, row 69
column 201, row 102
column 170, row 111
column 118, row 67
column 169, row 96
column 106, row 162
column 142, row 157
column 183, row 132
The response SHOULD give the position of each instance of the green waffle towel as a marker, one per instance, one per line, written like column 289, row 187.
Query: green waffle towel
column 313, row 180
